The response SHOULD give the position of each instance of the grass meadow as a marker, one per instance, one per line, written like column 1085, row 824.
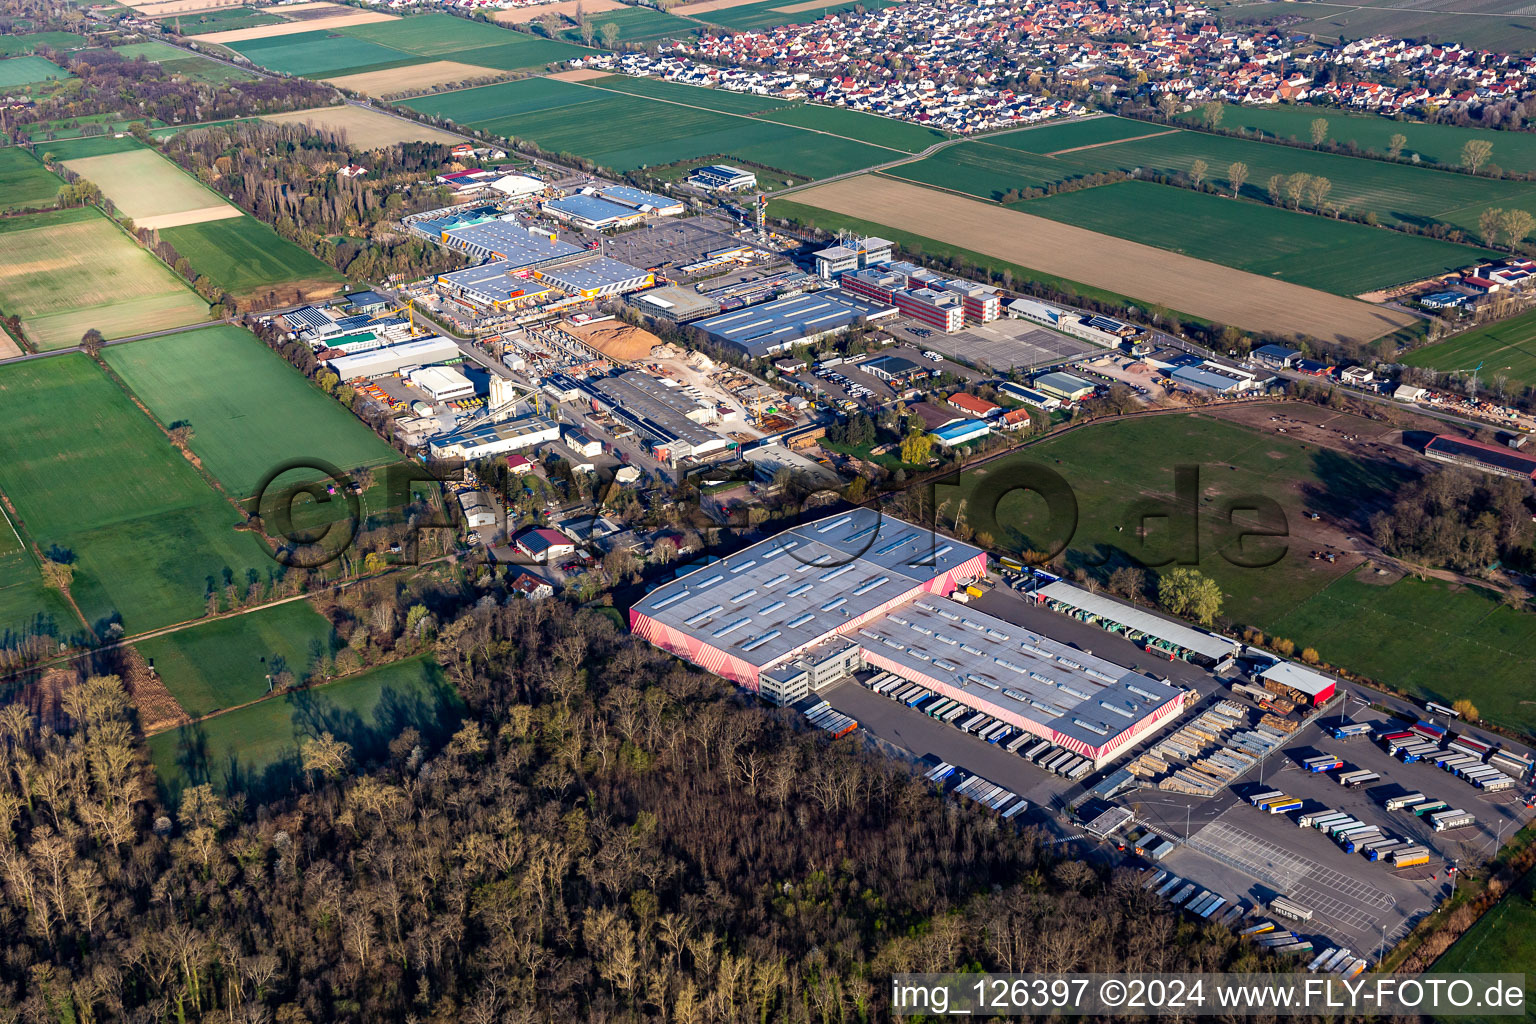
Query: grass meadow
column 17, row 72
column 250, row 412
column 1507, row 347
column 96, row 483
column 255, row 750
column 24, row 182
column 225, row 663
column 244, row 256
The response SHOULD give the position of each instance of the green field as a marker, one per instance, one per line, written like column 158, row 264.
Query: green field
column 11, row 46
column 249, row 410
column 691, row 95
column 24, row 182
column 1111, row 466
column 27, row 607
column 225, row 663
column 96, row 145
column 1052, row 137
column 638, row 24
column 1335, row 256
column 226, row 19
column 255, row 750
column 68, row 271
column 320, row 54
column 387, row 44
column 244, row 256
column 1431, row 639
column 1435, row 143
column 1396, row 193
column 19, row 71
column 94, row 479
column 619, row 132
column 855, row 124
column 184, row 62
column 1501, row 25
column 1506, row 347
column 767, row 14
column 1502, row 940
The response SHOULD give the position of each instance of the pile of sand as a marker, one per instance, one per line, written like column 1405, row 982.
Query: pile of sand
column 615, row 339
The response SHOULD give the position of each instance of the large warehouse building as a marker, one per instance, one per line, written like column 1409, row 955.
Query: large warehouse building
column 859, row 590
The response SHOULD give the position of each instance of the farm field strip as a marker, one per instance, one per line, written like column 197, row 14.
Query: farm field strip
column 1317, row 252
column 20, row 71
column 370, row 129
column 63, row 273
column 242, row 433
column 289, row 28
column 625, row 131
column 393, row 81
column 24, row 182
column 1204, row 289
column 150, row 189
column 1506, row 348
column 147, row 537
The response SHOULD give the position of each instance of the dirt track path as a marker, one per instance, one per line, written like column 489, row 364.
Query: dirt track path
column 1114, row 142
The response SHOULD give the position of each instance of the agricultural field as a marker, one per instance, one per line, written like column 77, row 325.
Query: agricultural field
column 855, row 124
column 249, row 410
column 1110, row 472
column 1066, row 136
column 254, row 750
column 1396, row 193
column 1506, row 347
column 93, row 145
column 638, row 25
column 431, row 75
column 94, row 480
column 1431, row 143
column 24, row 182
column 151, row 190
column 222, row 20
column 1206, row 290
column 1433, row 639
column 16, row 72
column 45, row 132
column 690, row 95
column 1503, row 25
column 618, row 132
column 301, row 20
column 68, row 271
column 248, row 258
column 401, row 42
column 772, row 13
column 1330, row 255
column 225, row 663
column 1503, row 939
column 27, row 607
column 366, row 128
column 319, row 54
column 183, row 62
column 14, row 46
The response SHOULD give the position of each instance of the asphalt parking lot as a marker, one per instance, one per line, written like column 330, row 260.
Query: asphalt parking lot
column 661, row 242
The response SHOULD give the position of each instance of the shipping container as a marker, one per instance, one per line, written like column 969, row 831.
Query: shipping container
column 1184, row 894
column 954, row 713
column 1395, row 737
column 1172, row 884
column 1354, row 843
column 1208, row 911
column 1361, row 779
column 1290, row 908
column 1430, row 731
column 1445, row 820
column 1056, row 760
column 1497, row 785
column 1077, row 771
column 1258, row 929
column 1398, row 802
column 1317, row 961
column 1384, row 851
column 1311, row 817
column 1326, row 763
column 1035, row 750
column 1018, row 808
column 1410, row 858
column 1013, row 745
column 1335, row 830
column 1286, row 806
column 1351, row 731
column 1429, row 807
column 1268, row 794
column 1510, row 759
column 1472, row 743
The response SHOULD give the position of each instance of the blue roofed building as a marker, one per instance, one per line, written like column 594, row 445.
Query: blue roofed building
column 961, row 432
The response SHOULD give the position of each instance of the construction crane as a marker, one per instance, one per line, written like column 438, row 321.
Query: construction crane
column 1472, row 387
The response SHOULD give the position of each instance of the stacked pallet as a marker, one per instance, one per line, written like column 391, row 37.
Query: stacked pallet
column 1282, row 725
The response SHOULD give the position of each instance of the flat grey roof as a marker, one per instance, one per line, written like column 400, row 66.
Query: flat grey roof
column 492, row 279
column 640, row 395
column 759, row 329
column 592, row 209
column 1033, row 676
column 601, row 272
column 1207, row 644
column 802, row 584
column 513, row 242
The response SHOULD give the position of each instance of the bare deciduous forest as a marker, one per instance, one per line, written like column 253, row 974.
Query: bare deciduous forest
column 610, row 836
